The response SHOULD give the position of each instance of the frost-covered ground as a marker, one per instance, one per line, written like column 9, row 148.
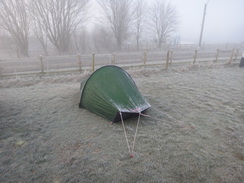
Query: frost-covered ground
column 199, row 137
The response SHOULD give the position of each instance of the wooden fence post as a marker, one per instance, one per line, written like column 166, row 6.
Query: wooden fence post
column 93, row 61
column 217, row 55
column 1, row 72
column 41, row 61
column 236, row 55
column 195, row 57
column 167, row 61
column 113, row 59
column 145, row 59
column 231, row 56
column 79, row 61
column 171, row 57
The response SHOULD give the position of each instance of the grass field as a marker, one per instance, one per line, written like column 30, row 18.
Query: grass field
column 199, row 137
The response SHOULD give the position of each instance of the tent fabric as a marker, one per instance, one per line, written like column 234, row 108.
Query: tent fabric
column 111, row 90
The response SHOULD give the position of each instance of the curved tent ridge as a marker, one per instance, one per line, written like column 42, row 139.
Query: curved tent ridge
column 110, row 90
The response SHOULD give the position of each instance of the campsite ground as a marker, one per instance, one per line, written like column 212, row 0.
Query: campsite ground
column 45, row 137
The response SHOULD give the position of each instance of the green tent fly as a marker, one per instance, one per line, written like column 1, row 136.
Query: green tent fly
column 111, row 93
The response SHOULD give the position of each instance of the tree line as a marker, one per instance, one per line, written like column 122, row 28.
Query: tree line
column 62, row 24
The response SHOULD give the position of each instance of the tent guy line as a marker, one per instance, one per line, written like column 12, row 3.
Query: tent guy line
column 112, row 93
column 131, row 150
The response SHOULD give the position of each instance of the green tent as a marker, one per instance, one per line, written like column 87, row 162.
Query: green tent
column 111, row 92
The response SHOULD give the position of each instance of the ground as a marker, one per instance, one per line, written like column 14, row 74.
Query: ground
column 195, row 132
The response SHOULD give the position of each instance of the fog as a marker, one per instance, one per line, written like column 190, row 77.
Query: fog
column 94, row 25
column 223, row 21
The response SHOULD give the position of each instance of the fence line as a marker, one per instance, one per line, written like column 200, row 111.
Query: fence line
column 42, row 65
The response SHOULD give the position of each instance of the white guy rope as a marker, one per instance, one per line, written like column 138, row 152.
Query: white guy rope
column 125, row 132
column 138, row 121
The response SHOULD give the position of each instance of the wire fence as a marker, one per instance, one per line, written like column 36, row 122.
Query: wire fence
column 43, row 65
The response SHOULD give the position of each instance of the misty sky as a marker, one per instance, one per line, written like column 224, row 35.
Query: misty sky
column 224, row 21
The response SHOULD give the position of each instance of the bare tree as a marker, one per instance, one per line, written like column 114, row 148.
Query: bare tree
column 81, row 41
column 118, row 17
column 14, row 21
column 103, row 40
column 41, row 36
column 164, row 20
column 7, row 46
column 58, row 19
column 139, row 16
